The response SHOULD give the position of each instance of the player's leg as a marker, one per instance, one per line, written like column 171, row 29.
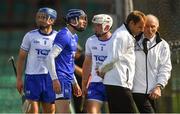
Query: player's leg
column 94, row 106
column 62, row 102
column 62, row 106
column 96, row 96
column 48, row 95
column 32, row 90
column 48, row 108
column 31, row 107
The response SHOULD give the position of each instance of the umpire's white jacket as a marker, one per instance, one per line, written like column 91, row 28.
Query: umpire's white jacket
column 119, row 66
column 153, row 70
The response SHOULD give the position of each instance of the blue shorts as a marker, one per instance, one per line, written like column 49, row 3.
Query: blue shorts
column 66, row 90
column 39, row 88
column 97, row 91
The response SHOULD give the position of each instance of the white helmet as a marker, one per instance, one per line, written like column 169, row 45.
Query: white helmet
column 103, row 19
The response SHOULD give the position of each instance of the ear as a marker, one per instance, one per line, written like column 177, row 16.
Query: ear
column 158, row 28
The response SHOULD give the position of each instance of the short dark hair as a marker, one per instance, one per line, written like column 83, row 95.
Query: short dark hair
column 135, row 16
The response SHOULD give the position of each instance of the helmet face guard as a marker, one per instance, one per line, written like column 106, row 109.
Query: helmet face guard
column 73, row 18
column 45, row 17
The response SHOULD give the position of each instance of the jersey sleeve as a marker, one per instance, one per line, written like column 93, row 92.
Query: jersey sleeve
column 88, row 49
column 61, row 40
column 26, row 43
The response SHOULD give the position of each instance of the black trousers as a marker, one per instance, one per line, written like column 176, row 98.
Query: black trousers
column 120, row 99
column 144, row 103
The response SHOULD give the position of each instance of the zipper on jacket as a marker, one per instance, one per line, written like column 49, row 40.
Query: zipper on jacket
column 145, row 49
column 146, row 75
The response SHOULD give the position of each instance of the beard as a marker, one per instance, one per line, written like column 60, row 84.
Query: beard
column 80, row 29
column 98, row 35
column 42, row 27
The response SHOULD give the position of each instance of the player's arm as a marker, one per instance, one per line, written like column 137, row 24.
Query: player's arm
column 86, row 72
column 20, row 66
column 78, row 70
column 55, row 51
column 23, row 52
column 76, row 88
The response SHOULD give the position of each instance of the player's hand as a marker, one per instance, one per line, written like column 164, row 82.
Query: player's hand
column 99, row 73
column 19, row 85
column 56, row 86
column 77, row 90
column 155, row 93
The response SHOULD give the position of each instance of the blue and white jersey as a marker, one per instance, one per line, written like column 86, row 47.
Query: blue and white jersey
column 97, row 49
column 38, row 46
column 64, row 62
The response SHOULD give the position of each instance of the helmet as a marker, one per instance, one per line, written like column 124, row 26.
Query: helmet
column 103, row 19
column 75, row 14
column 44, row 15
column 50, row 12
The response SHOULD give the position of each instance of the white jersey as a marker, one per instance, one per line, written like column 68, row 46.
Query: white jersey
column 38, row 46
column 97, row 49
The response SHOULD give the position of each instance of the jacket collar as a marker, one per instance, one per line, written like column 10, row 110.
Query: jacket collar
column 158, row 39
column 128, row 29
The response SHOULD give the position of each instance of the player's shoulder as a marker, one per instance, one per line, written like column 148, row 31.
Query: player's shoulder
column 55, row 32
column 92, row 38
column 62, row 32
column 33, row 31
